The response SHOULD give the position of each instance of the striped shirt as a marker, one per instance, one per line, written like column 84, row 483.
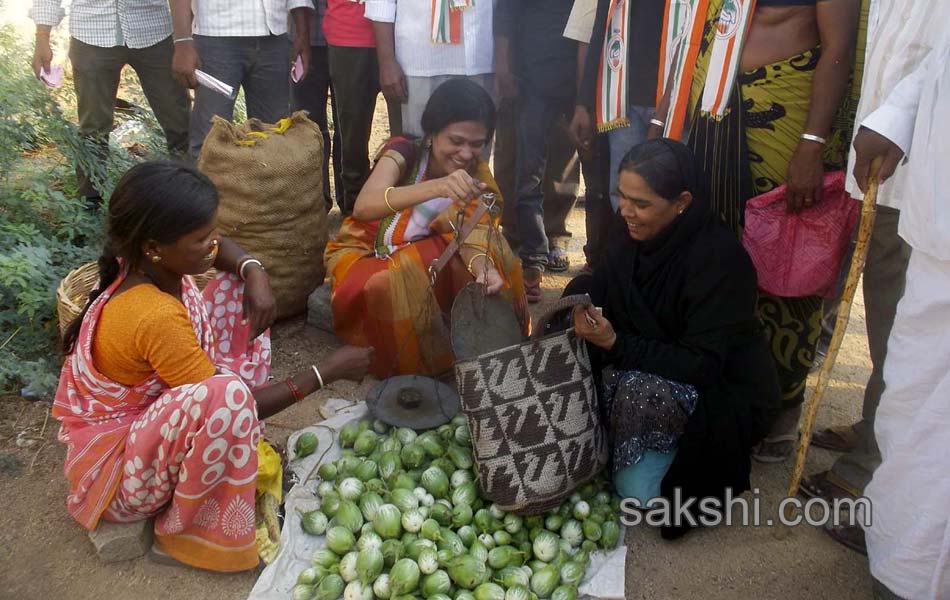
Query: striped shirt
column 416, row 53
column 109, row 23
column 243, row 18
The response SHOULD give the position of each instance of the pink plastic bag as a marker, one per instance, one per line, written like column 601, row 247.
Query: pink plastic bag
column 798, row 255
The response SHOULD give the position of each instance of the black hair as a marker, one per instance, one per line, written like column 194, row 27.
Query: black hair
column 455, row 101
column 155, row 200
column 666, row 165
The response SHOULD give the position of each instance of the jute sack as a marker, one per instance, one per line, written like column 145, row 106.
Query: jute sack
column 270, row 181
column 535, row 422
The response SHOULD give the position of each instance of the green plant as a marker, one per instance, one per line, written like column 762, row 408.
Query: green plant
column 45, row 230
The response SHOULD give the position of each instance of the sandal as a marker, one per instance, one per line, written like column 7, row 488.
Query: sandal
column 826, row 485
column 850, row 536
column 775, row 449
column 532, row 284
column 837, row 439
column 558, row 260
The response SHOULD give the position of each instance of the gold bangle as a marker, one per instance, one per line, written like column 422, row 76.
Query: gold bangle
column 386, row 198
column 488, row 260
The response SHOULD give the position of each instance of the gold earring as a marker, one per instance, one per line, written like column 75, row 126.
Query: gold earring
column 156, row 259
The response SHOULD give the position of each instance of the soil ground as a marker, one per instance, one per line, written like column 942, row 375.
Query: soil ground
column 45, row 555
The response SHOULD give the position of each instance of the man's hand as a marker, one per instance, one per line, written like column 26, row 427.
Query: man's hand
column 184, row 62
column 581, row 130
column 507, row 83
column 392, row 80
column 868, row 146
column 42, row 54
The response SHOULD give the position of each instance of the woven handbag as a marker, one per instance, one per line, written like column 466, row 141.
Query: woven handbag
column 534, row 418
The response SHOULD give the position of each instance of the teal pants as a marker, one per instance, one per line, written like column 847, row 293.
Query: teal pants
column 642, row 480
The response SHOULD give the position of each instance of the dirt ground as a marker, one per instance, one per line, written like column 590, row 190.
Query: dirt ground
column 43, row 554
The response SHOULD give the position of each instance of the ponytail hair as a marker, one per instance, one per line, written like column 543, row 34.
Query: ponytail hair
column 154, row 200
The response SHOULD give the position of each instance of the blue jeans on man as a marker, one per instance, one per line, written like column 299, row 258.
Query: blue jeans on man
column 260, row 65
column 539, row 115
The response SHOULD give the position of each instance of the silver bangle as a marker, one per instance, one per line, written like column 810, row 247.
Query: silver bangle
column 814, row 138
column 317, row 373
column 245, row 263
column 184, row 39
column 657, row 122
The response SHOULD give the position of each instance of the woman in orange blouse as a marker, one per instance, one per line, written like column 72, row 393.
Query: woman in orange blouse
column 163, row 386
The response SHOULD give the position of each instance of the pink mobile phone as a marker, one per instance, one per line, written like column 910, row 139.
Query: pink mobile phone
column 296, row 72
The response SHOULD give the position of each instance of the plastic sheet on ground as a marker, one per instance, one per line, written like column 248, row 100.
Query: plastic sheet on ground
column 604, row 579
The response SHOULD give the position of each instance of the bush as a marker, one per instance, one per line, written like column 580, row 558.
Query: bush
column 45, row 231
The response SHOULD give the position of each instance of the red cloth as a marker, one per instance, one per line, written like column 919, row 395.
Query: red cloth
column 798, row 255
column 345, row 25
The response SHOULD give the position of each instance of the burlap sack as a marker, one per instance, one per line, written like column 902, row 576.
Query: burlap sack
column 270, row 180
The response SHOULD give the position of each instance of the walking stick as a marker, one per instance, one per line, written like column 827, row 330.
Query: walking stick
column 868, row 214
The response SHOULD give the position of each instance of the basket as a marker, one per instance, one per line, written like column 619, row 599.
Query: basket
column 74, row 289
column 534, row 418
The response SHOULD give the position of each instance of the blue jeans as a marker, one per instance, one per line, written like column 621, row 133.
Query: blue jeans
column 260, row 65
column 623, row 139
column 539, row 114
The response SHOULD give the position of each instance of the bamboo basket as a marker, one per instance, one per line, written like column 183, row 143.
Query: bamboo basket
column 74, row 289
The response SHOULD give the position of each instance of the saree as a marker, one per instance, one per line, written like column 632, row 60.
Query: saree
column 188, row 455
column 381, row 295
column 746, row 152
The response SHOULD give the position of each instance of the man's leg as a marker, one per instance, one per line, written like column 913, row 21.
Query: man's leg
column 96, row 79
column 267, row 84
column 224, row 58
column 884, row 280
column 597, row 210
column 506, row 136
column 168, row 99
column 310, row 94
column 533, row 135
column 560, row 190
column 355, row 75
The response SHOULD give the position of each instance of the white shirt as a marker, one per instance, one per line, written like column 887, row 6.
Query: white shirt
column 109, row 23
column 916, row 117
column 243, row 18
column 900, row 34
column 580, row 25
column 416, row 53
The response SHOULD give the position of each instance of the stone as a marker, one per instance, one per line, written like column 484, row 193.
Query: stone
column 319, row 314
column 116, row 542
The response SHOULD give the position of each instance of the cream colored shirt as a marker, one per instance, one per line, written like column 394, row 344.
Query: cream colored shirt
column 580, row 25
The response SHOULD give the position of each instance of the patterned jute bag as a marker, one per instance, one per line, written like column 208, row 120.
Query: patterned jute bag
column 270, row 181
column 534, row 417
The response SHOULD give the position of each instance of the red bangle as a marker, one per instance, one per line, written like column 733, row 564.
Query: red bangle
column 293, row 389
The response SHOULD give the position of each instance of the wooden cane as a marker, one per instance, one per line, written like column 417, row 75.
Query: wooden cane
column 866, row 226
